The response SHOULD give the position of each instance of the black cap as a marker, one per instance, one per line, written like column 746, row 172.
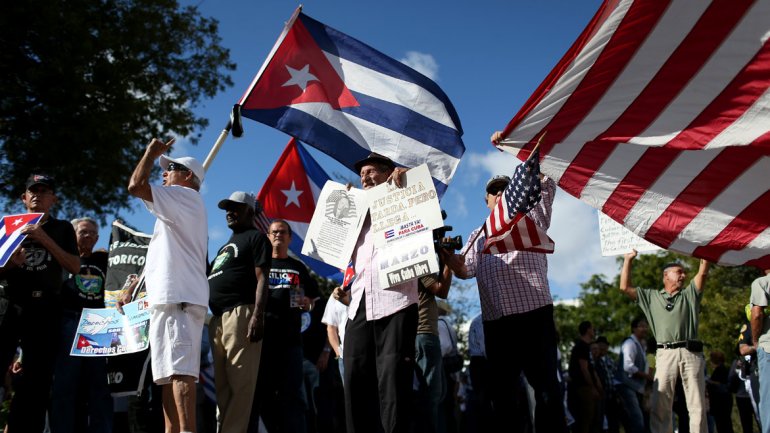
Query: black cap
column 672, row 265
column 41, row 179
column 374, row 157
column 603, row 339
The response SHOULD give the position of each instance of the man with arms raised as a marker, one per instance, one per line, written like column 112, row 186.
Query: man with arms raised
column 378, row 350
column 175, row 274
column 672, row 313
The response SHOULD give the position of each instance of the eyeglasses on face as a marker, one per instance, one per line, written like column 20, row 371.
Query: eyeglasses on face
column 173, row 166
column 278, row 232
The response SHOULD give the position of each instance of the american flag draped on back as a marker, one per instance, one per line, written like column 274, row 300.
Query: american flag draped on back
column 659, row 116
column 508, row 227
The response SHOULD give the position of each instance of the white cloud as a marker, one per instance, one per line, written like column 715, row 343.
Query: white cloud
column 493, row 162
column 422, row 63
column 457, row 200
column 575, row 230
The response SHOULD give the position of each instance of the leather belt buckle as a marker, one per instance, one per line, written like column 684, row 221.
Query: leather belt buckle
column 37, row 293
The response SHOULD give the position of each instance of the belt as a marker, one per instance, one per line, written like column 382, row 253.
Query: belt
column 691, row 345
column 672, row 345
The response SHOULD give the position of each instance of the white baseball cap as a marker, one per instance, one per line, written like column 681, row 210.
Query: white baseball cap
column 187, row 161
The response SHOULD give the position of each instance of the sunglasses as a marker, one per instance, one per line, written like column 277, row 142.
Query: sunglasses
column 669, row 304
column 173, row 166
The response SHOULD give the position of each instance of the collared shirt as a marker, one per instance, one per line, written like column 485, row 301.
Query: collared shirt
column 514, row 282
column 476, row 338
column 629, row 350
column 380, row 302
column 760, row 296
column 677, row 324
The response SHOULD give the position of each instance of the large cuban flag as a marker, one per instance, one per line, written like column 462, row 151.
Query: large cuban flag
column 290, row 193
column 10, row 233
column 348, row 99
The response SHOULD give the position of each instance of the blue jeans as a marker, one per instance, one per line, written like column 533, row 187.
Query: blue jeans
column 73, row 373
column 631, row 400
column 431, row 377
column 764, row 389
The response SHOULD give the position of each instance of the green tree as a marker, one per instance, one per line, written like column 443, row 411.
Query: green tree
column 87, row 83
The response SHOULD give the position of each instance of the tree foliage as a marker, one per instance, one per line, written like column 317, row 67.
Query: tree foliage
column 611, row 312
column 87, row 83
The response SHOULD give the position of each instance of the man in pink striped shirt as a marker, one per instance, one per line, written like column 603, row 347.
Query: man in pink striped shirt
column 381, row 329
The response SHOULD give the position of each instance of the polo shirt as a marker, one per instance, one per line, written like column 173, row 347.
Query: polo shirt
column 679, row 324
column 760, row 296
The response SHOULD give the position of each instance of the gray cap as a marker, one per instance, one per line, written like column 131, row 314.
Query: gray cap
column 187, row 161
column 239, row 197
column 496, row 180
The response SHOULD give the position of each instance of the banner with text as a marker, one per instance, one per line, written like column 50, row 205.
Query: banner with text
column 336, row 224
column 106, row 332
column 616, row 239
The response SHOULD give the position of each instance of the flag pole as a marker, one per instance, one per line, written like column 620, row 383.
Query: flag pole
column 234, row 121
column 481, row 229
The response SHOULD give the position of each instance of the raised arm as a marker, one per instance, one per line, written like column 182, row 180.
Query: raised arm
column 700, row 277
column 625, row 275
column 139, row 185
column 441, row 287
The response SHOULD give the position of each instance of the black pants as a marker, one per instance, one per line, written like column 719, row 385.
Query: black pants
column 38, row 320
column 379, row 368
column 524, row 342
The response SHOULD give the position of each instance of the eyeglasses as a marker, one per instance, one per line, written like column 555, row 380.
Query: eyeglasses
column 278, row 232
column 496, row 190
column 173, row 166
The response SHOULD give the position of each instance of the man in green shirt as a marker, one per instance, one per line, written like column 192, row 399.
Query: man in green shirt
column 672, row 313
column 760, row 334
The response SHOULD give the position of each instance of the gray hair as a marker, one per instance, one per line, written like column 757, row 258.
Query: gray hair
column 77, row 221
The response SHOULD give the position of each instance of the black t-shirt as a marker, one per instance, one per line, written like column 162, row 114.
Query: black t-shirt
column 86, row 289
column 282, row 320
column 41, row 276
column 582, row 350
column 232, row 281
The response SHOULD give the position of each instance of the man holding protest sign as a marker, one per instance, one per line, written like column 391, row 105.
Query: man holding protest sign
column 175, row 273
column 381, row 329
column 35, row 274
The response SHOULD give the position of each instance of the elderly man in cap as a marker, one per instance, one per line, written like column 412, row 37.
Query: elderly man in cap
column 238, row 295
column 381, row 329
column 673, row 313
column 515, row 296
column 35, row 274
column 175, row 274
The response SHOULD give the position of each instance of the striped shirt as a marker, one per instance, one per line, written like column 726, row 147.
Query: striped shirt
column 380, row 302
column 514, row 282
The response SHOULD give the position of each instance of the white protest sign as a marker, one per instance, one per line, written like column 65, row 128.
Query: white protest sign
column 616, row 239
column 398, row 212
column 336, row 224
column 411, row 257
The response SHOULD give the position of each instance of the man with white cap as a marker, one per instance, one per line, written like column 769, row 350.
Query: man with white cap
column 238, row 288
column 175, row 275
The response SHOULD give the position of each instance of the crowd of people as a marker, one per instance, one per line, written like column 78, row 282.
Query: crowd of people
column 367, row 359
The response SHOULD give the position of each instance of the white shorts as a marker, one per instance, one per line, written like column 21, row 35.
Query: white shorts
column 175, row 340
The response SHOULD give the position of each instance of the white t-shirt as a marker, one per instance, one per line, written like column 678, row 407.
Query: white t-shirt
column 336, row 314
column 175, row 270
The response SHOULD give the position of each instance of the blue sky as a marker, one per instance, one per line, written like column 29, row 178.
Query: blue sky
column 488, row 56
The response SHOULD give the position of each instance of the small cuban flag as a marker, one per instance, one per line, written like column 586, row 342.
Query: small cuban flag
column 10, row 233
column 84, row 341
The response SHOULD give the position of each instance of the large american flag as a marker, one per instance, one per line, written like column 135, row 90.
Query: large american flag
column 508, row 227
column 659, row 116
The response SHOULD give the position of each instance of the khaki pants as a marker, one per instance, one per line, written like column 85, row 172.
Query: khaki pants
column 669, row 364
column 236, row 366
